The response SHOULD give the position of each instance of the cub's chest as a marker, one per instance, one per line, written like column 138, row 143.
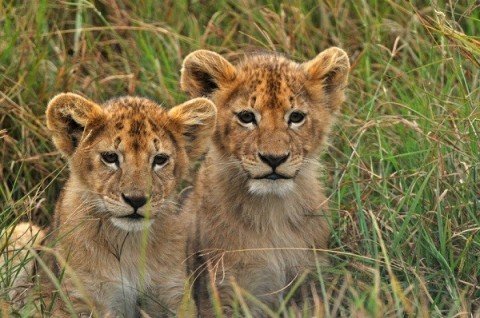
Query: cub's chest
column 124, row 263
column 281, row 249
column 287, row 251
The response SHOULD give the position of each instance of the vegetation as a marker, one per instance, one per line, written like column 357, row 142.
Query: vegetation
column 403, row 165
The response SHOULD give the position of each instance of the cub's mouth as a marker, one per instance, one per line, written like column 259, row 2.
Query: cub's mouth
column 272, row 176
column 132, row 222
column 133, row 216
column 272, row 183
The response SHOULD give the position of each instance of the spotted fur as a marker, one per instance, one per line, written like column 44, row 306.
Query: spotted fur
column 250, row 229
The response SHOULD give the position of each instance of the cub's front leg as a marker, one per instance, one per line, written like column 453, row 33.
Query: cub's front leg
column 99, row 297
column 169, row 294
column 264, row 282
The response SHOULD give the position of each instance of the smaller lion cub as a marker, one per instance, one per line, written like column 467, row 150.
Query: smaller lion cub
column 118, row 237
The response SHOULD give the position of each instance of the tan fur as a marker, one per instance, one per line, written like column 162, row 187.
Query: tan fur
column 112, row 262
column 261, row 232
column 16, row 260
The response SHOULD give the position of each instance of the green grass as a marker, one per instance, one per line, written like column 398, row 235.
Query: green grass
column 403, row 166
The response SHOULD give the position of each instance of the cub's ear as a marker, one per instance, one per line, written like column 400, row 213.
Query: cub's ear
column 205, row 71
column 328, row 71
column 196, row 120
column 67, row 116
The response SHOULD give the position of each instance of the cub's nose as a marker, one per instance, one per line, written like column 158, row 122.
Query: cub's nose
column 135, row 202
column 273, row 161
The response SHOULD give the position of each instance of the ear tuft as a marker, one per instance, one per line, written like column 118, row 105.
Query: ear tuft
column 330, row 68
column 67, row 116
column 197, row 119
column 205, row 71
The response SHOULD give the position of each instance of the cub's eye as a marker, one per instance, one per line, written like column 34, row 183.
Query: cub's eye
column 110, row 157
column 160, row 160
column 296, row 117
column 246, row 117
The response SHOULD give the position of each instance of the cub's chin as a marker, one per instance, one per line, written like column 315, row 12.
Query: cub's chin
column 263, row 187
column 131, row 224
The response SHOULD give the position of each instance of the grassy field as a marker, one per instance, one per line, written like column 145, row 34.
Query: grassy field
column 403, row 166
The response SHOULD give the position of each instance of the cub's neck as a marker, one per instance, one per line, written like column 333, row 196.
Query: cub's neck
column 227, row 189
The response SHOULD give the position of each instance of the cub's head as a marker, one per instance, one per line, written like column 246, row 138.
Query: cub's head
column 273, row 114
column 127, row 155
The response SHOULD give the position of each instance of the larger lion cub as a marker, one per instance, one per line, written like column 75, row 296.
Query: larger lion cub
column 259, row 207
column 120, row 242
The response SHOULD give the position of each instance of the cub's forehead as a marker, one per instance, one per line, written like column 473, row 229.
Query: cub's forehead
column 270, row 81
column 270, row 67
column 138, row 123
column 127, row 106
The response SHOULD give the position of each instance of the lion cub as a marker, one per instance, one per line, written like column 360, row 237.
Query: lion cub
column 259, row 207
column 119, row 241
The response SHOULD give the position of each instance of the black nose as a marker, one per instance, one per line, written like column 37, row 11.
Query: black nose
column 135, row 202
column 273, row 161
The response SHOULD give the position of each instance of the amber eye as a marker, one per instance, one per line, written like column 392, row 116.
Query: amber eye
column 246, row 117
column 296, row 117
column 110, row 157
column 160, row 160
